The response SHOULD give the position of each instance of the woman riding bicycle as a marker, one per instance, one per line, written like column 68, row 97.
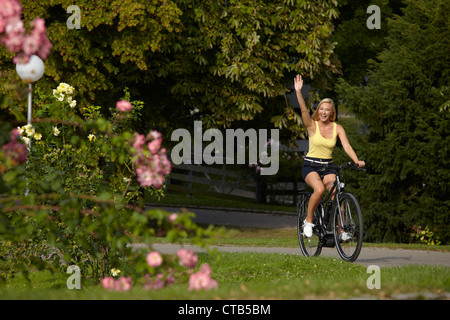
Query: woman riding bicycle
column 322, row 132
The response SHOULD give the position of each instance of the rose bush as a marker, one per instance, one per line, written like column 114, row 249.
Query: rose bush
column 162, row 271
column 72, row 185
column 72, row 182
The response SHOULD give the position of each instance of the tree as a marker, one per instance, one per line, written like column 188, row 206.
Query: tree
column 230, row 60
column 107, row 53
column 355, row 42
column 244, row 52
column 406, row 105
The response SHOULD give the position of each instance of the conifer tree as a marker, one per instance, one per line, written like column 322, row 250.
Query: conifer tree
column 406, row 105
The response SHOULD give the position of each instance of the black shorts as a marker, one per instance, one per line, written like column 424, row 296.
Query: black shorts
column 317, row 165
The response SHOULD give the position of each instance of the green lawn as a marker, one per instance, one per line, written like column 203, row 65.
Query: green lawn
column 260, row 276
column 288, row 238
column 257, row 276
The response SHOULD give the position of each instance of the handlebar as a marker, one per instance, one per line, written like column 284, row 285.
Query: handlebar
column 351, row 165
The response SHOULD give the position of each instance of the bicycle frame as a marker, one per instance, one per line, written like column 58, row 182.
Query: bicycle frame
column 335, row 201
column 337, row 188
column 334, row 225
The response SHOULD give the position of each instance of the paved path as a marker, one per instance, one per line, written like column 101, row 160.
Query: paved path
column 381, row 257
column 244, row 218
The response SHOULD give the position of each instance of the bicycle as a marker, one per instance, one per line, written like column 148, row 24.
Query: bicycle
column 344, row 230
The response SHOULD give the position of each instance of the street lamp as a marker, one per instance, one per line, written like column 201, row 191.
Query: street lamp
column 30, row 72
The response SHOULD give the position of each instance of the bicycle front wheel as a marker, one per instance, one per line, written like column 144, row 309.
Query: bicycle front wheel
column 310, row 246
column 348, row 227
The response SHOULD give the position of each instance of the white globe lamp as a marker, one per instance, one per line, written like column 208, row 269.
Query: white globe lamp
column 30, row 72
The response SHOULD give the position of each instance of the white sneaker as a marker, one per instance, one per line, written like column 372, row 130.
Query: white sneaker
column 307, row 229
column 345, row 236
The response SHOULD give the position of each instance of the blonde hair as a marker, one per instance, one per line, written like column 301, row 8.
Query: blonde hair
column 333, row 108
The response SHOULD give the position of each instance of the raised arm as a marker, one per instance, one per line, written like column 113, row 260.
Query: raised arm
column 307, row 121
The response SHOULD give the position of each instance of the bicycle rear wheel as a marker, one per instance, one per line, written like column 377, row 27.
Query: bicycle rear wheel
column 311, row 246
column 348, row 228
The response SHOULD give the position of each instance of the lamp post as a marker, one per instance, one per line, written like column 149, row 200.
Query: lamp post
column 30, row 72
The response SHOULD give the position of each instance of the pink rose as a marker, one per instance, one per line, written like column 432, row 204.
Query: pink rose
column 154, row 259
column 145, row 177
column 154, row 135
column 30, row 45
column 155, row 145
column 13, row 34
column 158, row 181
column 188, row 258
column 124, row 106
column 139, row 141
column 206, row 269
column 161, row 281
column 108, row 283
column 15, row 151
column 39, row 26
column 10, row 8
column 202, row 279
column 151, row 168
column 165, row 166
column 198, row 281
column 123, row 284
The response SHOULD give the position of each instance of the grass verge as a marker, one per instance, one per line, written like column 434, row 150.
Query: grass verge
column 287, row 238
column 257, row 276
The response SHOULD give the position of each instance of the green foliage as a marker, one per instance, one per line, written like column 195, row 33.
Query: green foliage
column 260, row 276
column 231, row 60
column 424, row 236
column 76, row 199
column 407, row 150
column 355, row 42
column 245, row 49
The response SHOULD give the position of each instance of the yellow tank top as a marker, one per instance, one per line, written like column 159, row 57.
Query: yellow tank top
column 320, row 147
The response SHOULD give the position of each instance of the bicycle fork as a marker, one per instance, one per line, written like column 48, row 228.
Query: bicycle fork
column 345, row 221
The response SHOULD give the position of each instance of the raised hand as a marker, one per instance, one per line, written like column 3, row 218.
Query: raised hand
column 307, row 121
column 298, row 83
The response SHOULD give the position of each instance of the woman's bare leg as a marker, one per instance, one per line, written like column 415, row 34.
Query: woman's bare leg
column 314, row 181
column 328, row 181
